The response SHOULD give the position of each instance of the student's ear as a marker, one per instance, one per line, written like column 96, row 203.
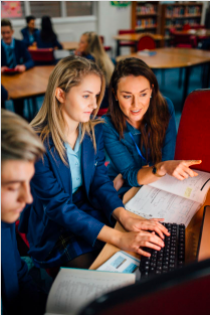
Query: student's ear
column 60, row 95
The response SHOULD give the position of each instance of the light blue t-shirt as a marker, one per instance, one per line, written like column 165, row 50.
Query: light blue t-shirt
column 74, row 158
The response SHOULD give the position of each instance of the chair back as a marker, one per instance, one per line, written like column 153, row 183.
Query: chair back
column 146, row 42
column 126, row 43
column 186, row 27
column 184, row 40
column 102, row 111
column 193, row 138
column 42, row 54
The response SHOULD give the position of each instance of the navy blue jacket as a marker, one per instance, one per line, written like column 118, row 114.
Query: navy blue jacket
column 26, row 38
column 123, row 155
column 42, row 44
column 21, row 54
column 19, row 294
column 53, row 211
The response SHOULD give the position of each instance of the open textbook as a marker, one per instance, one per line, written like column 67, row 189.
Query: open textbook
column 169, row 198
column 74, row 288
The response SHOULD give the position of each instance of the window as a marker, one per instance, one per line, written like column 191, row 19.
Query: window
column 40, row 8
column 12, row 10
column 79, row 8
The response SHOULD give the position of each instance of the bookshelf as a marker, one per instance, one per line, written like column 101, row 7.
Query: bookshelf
column 145, row 16
column 175, row 15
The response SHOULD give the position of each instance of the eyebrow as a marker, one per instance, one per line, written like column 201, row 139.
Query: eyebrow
column 12, row 182
column 131, row 93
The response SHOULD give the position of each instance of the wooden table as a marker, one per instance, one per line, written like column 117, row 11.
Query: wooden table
column 135, row 38
column 29, row 84
column 198, row 33
column 70, row 45
column 191, row 239
column 167, row 58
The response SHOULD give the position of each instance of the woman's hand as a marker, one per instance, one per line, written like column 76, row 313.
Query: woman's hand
column 178, row 169
column 133, row 241
column 131, row 223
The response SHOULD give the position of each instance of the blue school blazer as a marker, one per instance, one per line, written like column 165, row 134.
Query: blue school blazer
column 22, row 55
column 20, row 295
column 53, row 211
column 26, row 38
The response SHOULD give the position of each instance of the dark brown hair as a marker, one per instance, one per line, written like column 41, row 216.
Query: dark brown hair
column 6, row 22
column 155, row 120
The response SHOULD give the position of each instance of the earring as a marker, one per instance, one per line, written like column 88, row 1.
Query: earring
column 151, row 96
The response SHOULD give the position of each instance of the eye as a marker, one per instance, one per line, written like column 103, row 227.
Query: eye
column 126, row 96
column 86, row 96
column 144, row 94
column 10, row 188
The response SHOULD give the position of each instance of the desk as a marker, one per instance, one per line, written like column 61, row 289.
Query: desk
column 167, row 58
column 135, row 38
column 70, row 45
column 29, row 84
column 192, row 234
column 198, row 33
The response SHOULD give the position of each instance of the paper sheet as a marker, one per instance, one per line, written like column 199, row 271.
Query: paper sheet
column 194, row 188
column 151, row 202
column 74, row 288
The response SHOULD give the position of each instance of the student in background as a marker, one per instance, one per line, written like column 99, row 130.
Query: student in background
column 30, row 32
column 20, row 147
column 74, row 199
column 14, row 55
column 140, row 130
column 90, row 47
column 46, row 37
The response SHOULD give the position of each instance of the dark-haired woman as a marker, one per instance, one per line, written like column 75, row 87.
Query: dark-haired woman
column 47, row 38
column 140, row 130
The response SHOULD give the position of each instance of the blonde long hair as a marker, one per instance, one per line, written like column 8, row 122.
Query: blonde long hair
column 68, row 72
column 95, row 48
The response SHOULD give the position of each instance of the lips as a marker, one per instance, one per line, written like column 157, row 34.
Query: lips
column 136, row 112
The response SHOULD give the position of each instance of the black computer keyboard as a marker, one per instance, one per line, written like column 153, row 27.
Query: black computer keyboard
column 169, row 257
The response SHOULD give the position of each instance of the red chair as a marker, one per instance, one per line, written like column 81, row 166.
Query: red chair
column 106, row 48
column 184, row 40
column 193, row 139
column 102, row 111
column 186, row 27
column 146, row 42
column 42, row 54
column 126, row 43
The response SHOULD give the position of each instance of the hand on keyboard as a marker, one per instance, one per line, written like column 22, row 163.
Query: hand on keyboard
column 169, row 257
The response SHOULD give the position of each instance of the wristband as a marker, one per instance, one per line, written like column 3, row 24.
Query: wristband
column 154, row 171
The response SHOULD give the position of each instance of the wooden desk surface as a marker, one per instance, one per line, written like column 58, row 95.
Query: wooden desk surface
column 135, row 37
column 32, row 82
column 197, row 33
column 192, row 234
column 172, row 58
column 70, row 45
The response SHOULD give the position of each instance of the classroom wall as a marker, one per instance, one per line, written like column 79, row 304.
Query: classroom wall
column 107, row 21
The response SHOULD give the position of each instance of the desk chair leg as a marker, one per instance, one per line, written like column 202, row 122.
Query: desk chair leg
column 186, row 84
column 118, row 48
column 180, row 77
column 205, row 75
column 163, row 77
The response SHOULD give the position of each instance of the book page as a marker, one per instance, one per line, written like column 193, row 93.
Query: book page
column 150, row 202
column 74, row 288
column 193, row 188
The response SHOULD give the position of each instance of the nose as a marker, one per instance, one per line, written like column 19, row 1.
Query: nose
column 135, row 101
column 94, row 103
column 26, row 193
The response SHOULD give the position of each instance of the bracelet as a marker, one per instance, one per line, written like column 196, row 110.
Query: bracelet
column 154, row 171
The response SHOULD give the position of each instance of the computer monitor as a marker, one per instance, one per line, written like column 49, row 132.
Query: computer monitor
column 203, row 251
